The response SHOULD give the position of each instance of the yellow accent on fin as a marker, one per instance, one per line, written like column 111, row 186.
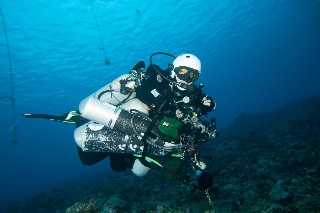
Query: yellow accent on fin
column 70, row 115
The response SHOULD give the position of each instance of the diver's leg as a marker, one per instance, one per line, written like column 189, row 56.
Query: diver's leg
column 121, row 162
column 90, row 158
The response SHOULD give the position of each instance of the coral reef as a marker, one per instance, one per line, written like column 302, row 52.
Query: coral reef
column 84, row 207
column 269, row 162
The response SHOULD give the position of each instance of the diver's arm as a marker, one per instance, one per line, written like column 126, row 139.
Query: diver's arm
column 204, row 103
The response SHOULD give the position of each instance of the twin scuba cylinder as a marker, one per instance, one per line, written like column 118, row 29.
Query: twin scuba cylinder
column 119, row 129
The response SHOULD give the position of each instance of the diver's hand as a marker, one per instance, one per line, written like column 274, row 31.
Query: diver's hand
column 179, row 114
column 208, row 101
column 207, row 105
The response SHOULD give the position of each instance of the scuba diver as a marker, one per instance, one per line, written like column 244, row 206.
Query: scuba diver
column 144, row 116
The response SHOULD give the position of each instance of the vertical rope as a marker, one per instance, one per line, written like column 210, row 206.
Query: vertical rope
column 14, row 126
column 106, row 61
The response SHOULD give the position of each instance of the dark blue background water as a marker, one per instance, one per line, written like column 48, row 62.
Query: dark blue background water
column 256, row 56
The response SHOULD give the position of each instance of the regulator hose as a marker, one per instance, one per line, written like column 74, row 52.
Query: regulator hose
column 154, row 67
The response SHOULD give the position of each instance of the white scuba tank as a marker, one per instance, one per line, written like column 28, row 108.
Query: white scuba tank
column 110, row 93
column 136, row 104
column 99, row 111
column 105, row 113
column 100, row 107
column 117, row 130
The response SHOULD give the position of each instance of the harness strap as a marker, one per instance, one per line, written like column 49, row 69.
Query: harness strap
column 144, row 139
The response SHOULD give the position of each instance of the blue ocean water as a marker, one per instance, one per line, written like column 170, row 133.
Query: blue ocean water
column 256, row 56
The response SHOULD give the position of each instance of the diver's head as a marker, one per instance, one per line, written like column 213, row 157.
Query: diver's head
column 186, row 68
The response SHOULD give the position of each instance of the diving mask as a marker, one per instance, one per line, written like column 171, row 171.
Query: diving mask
column 186, row 74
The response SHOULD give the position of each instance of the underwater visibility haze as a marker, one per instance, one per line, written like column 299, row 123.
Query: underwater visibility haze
column 256, row 57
